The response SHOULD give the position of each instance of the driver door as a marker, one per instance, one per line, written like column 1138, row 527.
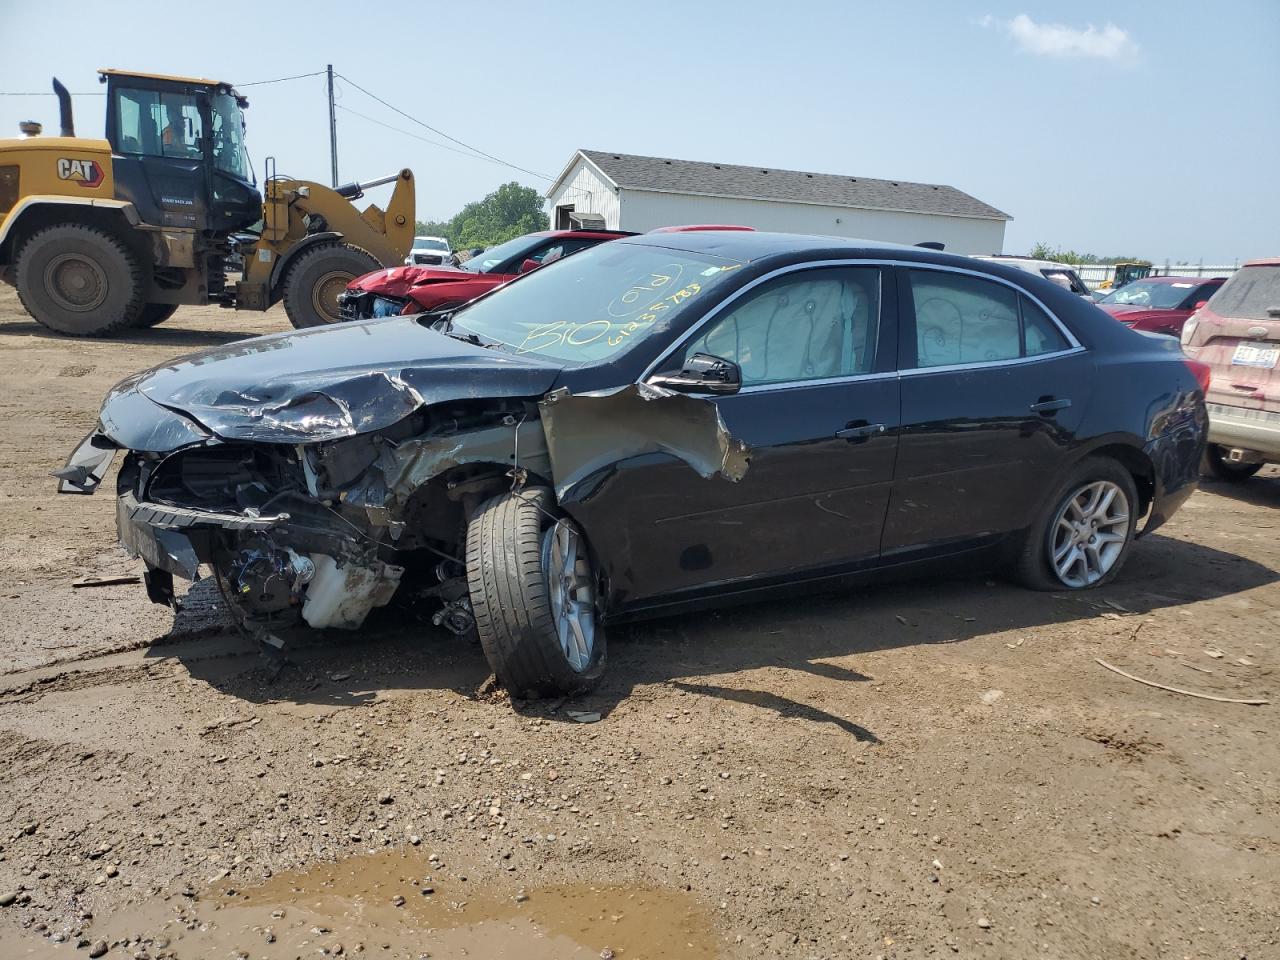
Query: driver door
column 820, row 415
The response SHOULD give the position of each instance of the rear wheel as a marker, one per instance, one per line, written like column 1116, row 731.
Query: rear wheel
column 318, row 277
column 80, row 281
column 533, row 594
column 1217, row 465
column 154, row 314
column 1082, row 536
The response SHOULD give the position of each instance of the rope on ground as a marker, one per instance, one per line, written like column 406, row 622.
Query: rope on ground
column 1185, row 693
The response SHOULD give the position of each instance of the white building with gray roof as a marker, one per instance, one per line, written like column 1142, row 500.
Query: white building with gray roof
column 622, row 191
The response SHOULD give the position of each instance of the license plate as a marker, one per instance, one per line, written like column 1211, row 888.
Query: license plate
column 1248, row 355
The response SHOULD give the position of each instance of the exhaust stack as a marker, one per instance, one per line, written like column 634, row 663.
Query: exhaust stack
column 64, row 108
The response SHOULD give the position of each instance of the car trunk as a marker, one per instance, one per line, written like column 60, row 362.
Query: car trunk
column 1238, row 335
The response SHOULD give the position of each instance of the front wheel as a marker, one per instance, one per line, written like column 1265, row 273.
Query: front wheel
column 154, row 314
column 533, row 594
column 1217, row 465
column 318, row 277
column 1082, row 536
column 80, row 281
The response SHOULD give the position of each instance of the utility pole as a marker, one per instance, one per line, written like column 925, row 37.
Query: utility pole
column 333, row 128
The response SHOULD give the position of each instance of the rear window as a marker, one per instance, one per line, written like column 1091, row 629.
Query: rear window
column 1249, row 294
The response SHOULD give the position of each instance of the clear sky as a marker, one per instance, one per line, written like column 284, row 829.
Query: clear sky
column 1151, row 129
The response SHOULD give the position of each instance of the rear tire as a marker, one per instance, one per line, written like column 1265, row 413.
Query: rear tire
column 510, row 545
column 1063, row 528
column 79, row 281
column 1217, row 466
column 154, row 314
column 317, row 277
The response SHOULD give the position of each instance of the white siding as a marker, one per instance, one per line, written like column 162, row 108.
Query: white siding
column 587, row 192
column 642, row 210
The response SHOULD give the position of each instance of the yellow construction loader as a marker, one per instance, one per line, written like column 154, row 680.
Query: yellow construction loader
column 101, row 236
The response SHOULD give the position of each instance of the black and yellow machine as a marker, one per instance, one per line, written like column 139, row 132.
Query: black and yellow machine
column 100, row 236
column 1126, row 272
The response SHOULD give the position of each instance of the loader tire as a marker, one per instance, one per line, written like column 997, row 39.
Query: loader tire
column 317, row 277
column 154, row 314
column 80, row 281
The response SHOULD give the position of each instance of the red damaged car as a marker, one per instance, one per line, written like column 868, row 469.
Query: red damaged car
column 1159, row 304
column 385, row 293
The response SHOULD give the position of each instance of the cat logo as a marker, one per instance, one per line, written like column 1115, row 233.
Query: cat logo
column 86, row 173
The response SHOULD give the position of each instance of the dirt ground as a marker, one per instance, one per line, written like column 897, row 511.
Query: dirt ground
column 918, row 770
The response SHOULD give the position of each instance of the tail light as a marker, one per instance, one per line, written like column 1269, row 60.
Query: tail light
column 1201, row 372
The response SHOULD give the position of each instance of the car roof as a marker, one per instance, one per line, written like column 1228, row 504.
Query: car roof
column 588, row 234
column 1017, row 261
column 1263, row 262
column 757, row 245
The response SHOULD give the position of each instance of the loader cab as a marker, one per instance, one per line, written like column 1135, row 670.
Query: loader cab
column 178, row 152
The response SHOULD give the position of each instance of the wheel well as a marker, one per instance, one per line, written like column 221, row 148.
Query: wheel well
column 110, row 220
column 437, row 513
column 1139, row 466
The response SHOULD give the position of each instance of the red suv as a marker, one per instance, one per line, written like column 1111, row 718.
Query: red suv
column 384, row 293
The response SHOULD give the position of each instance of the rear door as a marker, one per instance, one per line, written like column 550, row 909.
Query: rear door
column 993, row 390
column 818, row 409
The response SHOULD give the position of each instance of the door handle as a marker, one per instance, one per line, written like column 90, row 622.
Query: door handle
column 857, row 431
column 1050, row 405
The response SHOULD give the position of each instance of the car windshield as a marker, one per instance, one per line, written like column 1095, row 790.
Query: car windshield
column 1155, row 294
column 229, row 154
column 594, row 305
column 1252, row 293
column 429, row 243
column 486, row 261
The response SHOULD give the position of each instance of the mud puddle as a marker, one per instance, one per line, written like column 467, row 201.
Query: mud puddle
column 396, row 905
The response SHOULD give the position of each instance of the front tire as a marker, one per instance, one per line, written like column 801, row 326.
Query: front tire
column 533, row 594
column 154, row 314
column 1217, row 465
column 316, row 279
column 79, row 281
column 1082, row 536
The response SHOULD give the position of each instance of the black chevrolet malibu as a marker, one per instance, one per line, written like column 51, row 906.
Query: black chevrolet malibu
column 661, row 422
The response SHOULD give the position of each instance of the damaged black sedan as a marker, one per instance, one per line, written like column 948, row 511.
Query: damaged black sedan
column 659, row 423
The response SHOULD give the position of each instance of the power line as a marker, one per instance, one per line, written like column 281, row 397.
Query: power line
column 102, row 93
column 415, row 136
column 300, row 76
column 441, row 133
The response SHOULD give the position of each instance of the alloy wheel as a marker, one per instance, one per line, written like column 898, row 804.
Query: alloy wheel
column 572, row 592
column 1089, row 533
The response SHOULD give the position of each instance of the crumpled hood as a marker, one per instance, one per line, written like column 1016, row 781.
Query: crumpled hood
column 426, row 287
column 313, row 385
column 396, row 281
column 1127, row 314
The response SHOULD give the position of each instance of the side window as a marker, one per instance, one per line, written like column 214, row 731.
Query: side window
column 158, row 125
column 1039, row 333
column 963, row 319
column 805, row 326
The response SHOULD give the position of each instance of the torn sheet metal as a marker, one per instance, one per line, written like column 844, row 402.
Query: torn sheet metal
column 589, row 431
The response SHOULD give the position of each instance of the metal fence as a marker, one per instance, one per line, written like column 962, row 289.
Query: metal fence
column 1095, row 273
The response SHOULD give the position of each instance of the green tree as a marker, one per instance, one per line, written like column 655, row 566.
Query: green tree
column 508, row 212
column 431, row 228
column 1042, row 251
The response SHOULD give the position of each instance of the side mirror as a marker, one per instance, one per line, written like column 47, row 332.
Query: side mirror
column 702, row 373
column 1200, row 304
column 530, row 264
